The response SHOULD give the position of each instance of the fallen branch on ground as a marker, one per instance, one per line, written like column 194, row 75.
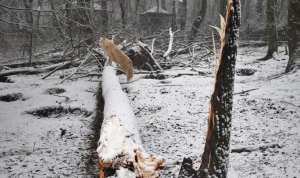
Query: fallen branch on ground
column 245, row 91
column 87, row 56
column 250, row 149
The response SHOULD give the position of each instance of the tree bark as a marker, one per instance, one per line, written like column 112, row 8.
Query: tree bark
column 293, row 33
column 259, row 8
column 215, row 158
column 272, row 30
column 123, row 15
column 136, row 10
column 197, row 22
column 174, row 27
column 29, row 28
column 182, row 14
column 163, row 4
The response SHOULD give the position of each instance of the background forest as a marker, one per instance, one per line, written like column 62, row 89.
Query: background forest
column 34, row 26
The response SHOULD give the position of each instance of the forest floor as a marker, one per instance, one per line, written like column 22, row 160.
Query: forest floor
column 48, row 129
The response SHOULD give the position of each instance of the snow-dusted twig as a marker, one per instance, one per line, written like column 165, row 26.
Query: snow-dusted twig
column 246, row 91
column 87, row 56
column 166, row 55
column 59, row 67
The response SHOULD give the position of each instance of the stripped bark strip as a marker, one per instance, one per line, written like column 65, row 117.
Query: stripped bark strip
column 215, row 159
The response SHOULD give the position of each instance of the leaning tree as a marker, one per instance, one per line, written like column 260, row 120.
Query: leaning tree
column 293, row 33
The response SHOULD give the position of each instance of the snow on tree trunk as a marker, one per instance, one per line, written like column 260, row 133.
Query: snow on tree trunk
column 215, row 158
column 120, row 147
column 293, row 33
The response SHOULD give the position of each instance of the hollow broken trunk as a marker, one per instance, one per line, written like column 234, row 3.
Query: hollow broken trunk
column 215, row 158
column 120, row 148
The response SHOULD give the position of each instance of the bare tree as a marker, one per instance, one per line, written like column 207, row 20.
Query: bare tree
column 197, row 22
column 174, row 27
column 163, row 4
column 29, row 26
column 293, row 33
column 122, row 7
column 182, row 14
column 272, row 30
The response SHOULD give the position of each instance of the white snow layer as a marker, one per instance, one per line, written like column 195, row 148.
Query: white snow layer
column 119, row 133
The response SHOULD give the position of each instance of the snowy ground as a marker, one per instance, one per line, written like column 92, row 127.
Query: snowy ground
column 172, row 116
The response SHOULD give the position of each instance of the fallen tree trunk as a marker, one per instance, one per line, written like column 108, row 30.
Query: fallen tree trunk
column 35, row 70
column 120, row 148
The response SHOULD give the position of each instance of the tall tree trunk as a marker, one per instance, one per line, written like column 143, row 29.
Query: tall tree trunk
column 174, row 27
column 182, row 14
column 198, row 21
column 163, row 4
column 259, row 8
column 122, row 7
column 136, row 10
column 29, row 28
column 215, row 158
column 272, row 30
column 39, row 13
column 69, row 29
column 293, row 33
column 104, row 17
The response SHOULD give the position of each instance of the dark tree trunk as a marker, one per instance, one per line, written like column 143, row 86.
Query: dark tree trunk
column 174, row 27
column 163, row 4
column 39, row 13
column 69, row 28
column 122, row 7
column 104, row 17
column 293, row 33
column 29, row 28
column 198, row 21
column 182, row 14
column 136, row 10
column 259, row 8
column 215, row 158
column 272, row 30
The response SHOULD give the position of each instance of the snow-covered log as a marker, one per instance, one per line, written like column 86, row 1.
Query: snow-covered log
column 120, row 147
